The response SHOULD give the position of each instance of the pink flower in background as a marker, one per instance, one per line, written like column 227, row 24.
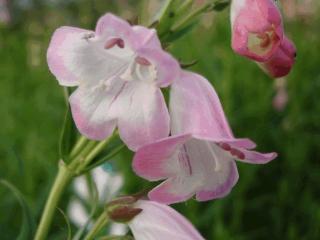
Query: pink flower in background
column 160, row 222
column 200, row 157
column 281, row 98
column 257, row 29
column 282, row 60
column 5, row 16
column 119, row 70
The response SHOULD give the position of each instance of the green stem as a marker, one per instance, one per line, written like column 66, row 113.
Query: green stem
column 190, row 17
column 99, row 224
column 63, row 177
column 79, row 145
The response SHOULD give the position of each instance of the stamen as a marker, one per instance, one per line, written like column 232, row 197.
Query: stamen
column 114, row 41
column 142, row 61
column 224, row 146
column 265, row 40
column 237, row 153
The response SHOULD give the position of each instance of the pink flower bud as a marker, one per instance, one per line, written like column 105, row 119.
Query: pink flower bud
column 281, row 62
column 257, row 29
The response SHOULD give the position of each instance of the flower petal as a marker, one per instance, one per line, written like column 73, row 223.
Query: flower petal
column 158, row 222
column 76, row 56
column 56, row 54
column 257, row 157
column 92, row 110
column 218, row 189
column 145, row 38
column 142, row 114
column 195, row 108
column 166, row 66
column 110, row 25
column 153, row 161
column 280, row 64
column 166, row 192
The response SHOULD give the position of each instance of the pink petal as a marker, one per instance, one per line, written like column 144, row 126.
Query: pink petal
column 145, row 38
column 280, row 64
column 152, row 161
column 76, row 56
column 142, row 114
column 56, row 54
column 166, row 192
column 257, row 157
column 167, row 67
column 222, row 189
column 92, row 111
column 195, row 108
column 110, row 25
column 160, row 222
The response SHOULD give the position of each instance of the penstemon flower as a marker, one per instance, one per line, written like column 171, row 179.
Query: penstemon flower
column 119, row 70
column 161, row 222
column 257, row 29
column 200, row 157
column 282, row 60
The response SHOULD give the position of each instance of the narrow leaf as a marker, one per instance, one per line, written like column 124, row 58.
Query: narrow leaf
column 68, row 132
column 27, row 225
column 67, row 222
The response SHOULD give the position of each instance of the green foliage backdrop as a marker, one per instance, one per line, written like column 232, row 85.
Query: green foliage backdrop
column 279, row 200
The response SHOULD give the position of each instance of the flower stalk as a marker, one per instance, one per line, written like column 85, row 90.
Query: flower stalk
column 98, row 225
column 62, row 179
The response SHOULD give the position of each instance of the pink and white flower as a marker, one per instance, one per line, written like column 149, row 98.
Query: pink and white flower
column 200, row 156
column 257, row 29
column 161, row 222
column 119, row 70
column 281, row 62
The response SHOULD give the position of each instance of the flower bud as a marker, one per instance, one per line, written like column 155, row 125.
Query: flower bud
column 257, row 29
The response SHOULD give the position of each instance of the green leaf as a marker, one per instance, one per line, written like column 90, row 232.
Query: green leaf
column 220, row 5
column 67, row 222
column 28, row 224
column 173, row 36
column 111, row 150
column 68, row 132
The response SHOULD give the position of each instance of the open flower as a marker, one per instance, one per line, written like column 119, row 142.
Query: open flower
column 161, row 222
column 281, row 62
column 200, row 157
column 257, row 29
column 119, row 70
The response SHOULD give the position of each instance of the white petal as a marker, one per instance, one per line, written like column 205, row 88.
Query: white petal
column 160, row 222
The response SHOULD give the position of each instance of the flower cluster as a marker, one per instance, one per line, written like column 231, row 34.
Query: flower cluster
column 119, row 70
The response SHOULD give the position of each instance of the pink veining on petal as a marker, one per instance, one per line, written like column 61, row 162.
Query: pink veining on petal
column 150, row 160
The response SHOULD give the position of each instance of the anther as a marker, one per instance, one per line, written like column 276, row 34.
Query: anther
column 225, row 146
column 237, row 153
column 265, row 40
column 142, row 61
column 114, row 41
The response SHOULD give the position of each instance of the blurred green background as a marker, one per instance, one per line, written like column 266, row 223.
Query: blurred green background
column 277, row 201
